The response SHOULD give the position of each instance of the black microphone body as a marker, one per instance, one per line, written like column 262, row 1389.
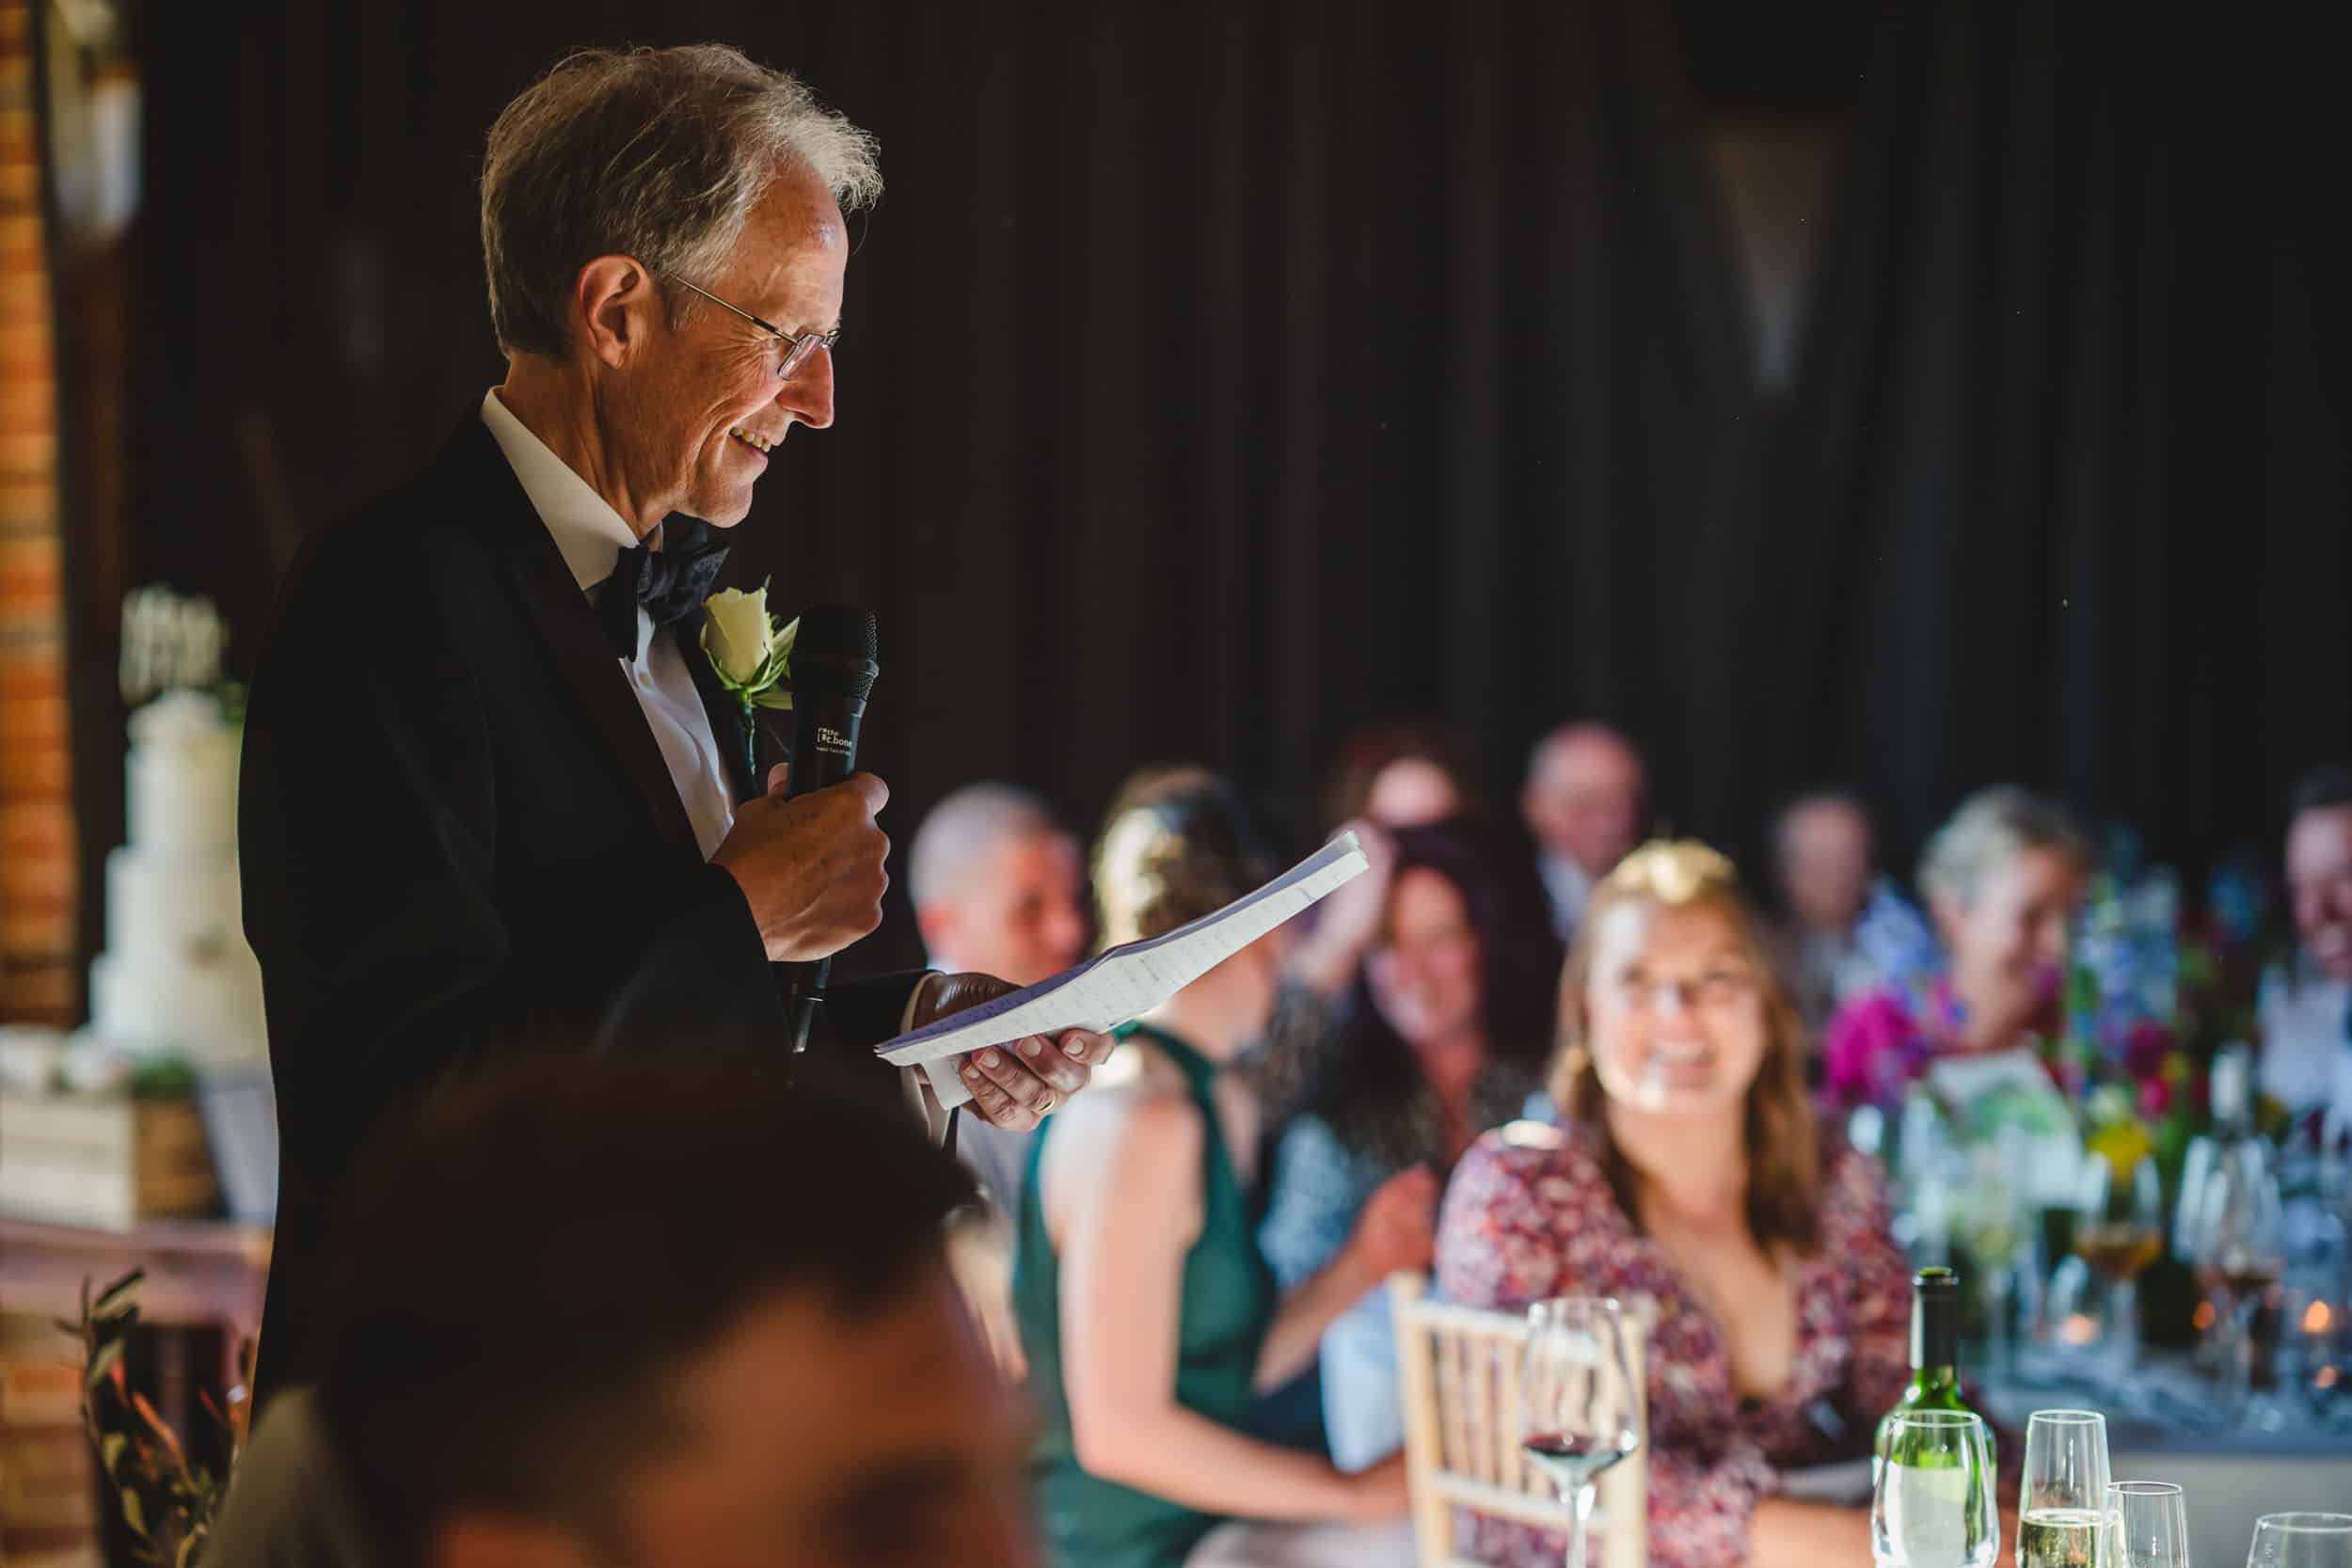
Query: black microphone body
column 834, row 669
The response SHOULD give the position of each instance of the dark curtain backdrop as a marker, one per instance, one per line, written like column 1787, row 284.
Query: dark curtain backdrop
column 1219, row 377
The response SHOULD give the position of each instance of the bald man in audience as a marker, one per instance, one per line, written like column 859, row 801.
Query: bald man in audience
column 1585, row 801
column 996, row 880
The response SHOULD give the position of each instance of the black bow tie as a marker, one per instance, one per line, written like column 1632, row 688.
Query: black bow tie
column 671, row 582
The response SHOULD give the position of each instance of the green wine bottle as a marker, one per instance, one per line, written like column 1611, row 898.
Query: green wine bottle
column 1934, row 1350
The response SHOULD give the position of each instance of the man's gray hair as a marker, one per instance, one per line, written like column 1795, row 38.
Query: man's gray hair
column 963, row 827
column 1990, row 827
column 656, row 153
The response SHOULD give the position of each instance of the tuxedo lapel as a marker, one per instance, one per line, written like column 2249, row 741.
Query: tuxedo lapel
column 565, row 619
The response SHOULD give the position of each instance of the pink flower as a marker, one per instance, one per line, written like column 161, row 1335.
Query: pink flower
column 1868, row 1049
column 2155, row 1097
column 2144, row 1050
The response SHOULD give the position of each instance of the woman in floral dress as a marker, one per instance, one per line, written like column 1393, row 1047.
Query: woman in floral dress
column 1685, row 1168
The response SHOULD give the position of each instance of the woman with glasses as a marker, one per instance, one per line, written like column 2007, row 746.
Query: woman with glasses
column 1684, row 1169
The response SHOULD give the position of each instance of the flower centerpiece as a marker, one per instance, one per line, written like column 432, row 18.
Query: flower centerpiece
column 2155, row 990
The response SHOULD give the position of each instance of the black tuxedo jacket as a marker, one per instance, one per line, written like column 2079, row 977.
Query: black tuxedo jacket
column 459, row 841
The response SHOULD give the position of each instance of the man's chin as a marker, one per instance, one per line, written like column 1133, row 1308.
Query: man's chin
column 725, row 511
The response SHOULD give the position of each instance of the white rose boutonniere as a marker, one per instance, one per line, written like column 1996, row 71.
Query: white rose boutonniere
column 750, row 652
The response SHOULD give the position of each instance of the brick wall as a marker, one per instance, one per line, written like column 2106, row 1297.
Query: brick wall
column 39, row 979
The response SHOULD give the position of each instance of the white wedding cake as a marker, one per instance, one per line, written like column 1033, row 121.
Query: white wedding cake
column 177, row 975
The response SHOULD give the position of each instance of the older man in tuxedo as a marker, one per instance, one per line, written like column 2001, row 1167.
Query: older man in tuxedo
column 493, row 800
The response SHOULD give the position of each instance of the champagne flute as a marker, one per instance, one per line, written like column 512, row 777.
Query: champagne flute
column 2147, row 1526
column 2119, row 1230
column 2301, row 1541
column 1579, row 1412
column 2060, row 1502
column 1931, row 1502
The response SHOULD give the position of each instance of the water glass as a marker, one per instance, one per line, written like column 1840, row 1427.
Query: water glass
column 2301, row 1541
column 1931, row 1503
column 2147, row 1526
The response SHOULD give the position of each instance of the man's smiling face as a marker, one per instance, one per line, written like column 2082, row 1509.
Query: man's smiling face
column 702, row 408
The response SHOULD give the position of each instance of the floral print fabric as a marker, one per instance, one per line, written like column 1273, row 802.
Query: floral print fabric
column 1530, row 1214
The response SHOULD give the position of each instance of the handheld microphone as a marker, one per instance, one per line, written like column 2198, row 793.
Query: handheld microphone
column 834, row 666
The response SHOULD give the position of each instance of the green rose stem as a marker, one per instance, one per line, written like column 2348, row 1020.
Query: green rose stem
column 754, row 685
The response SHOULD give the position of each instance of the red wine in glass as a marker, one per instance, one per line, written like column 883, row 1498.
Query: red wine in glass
column 1573, row 1461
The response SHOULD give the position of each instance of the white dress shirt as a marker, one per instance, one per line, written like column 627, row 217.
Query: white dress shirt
column 1570, row 890
column 591, row 537
column 2307, row 1051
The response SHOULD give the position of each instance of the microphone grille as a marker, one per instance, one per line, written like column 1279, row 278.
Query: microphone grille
column 837, row 632
column 835, row 652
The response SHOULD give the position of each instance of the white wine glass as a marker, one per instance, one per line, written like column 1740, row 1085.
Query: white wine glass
column 2301, row 1541
column 1579, row 1412
column 2147, row 1526
column 2119, row 1230
column 2063, row 1496
column 1932, row 1501
column 1993, row 1225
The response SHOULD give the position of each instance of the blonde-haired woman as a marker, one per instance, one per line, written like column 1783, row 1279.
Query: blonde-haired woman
column 1685, row 1167
column 2003, row 879
column 1149, row 1320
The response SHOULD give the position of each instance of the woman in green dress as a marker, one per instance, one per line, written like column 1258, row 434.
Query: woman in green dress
column 1148, row 1319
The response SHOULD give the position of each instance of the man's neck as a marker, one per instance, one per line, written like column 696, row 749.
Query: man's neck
column 555, row 405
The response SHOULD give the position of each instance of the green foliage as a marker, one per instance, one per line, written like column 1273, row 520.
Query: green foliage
column 163, row 1078
column 166, row 1503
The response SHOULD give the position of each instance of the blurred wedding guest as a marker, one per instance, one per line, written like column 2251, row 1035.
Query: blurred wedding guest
column 996, row 889
column 1390, row 776
column 1445, row 1033
column 594, row 1310
column 1401, row 775
column 1821, row 846
column 1585, row 801
column 1151, row 1321
column 1685, row 1168
column 2307, row 1000
column 2002, row 880
column 996, row 885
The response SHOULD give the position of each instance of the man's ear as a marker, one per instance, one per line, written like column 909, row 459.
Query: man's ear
column 478, row 1539
column 937, row 923
column 614, row 299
